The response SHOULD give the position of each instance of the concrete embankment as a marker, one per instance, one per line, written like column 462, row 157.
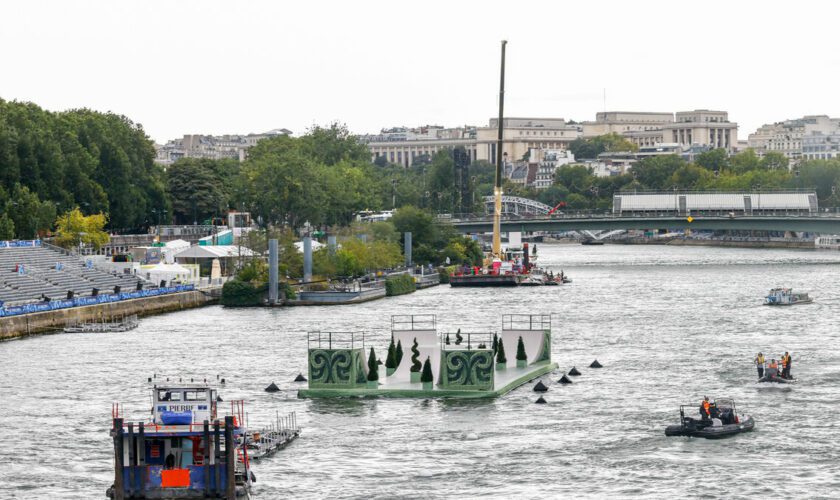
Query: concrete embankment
column 51, row 321
column 718, row 243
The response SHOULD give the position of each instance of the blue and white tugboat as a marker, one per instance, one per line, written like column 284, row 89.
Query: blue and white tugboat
column 185, row 451
column 786, row 297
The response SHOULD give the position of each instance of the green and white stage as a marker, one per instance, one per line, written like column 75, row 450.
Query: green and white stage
column 462, row 365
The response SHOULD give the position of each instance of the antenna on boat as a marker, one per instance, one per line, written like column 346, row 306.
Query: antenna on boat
column 497, row 190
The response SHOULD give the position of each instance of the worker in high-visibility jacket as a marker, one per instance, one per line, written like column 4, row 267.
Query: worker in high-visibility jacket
column 759, row 364
column 786, row 365
column 706, row 408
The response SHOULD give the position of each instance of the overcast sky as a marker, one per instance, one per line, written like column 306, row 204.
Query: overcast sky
column 214, row 67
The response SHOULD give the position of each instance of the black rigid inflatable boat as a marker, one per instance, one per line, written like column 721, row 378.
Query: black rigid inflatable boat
column 725, row 422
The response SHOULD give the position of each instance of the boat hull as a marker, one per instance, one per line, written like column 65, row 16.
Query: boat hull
column 711, row 432
column 485, row 280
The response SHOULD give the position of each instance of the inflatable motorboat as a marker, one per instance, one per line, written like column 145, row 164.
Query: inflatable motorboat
column 776, row 378
column 725, row 421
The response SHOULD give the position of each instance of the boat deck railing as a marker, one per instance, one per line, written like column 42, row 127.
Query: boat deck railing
column 470, row 341
column 531, row 322
column 413, row 322
column 335, row 340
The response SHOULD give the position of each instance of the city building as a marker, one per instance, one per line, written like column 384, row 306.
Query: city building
column 687, row 128
column 820, row 146
column 549, row 161
column 402, row 146
column 624, row 122
column 214, row 147
column 787, row 137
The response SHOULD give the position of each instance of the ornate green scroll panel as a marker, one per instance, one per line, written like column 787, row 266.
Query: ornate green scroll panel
column 336, row 369
column 467, row 370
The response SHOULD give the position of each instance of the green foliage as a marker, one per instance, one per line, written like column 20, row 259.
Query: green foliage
column 520, row 350
column 458, row 337
column 426, row 376
column 415, row 357
column 101, row 162
column 73, row 229
column 201, row 188
column 373, row 367
column 399, row 285
column 591, row 148
column 495, row 343
column 7, row 227
column 399, row 353
column 236, row 293
column 446, row 340
column 391, row 358
column 30, row 215
column 500, row 352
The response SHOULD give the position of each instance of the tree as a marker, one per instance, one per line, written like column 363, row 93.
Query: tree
column 415, row 357
column 773, row 160
column 715, row 160
column 74, row 229
column 655, row 172
column 446, row 340
column 458, row 337
column 520, row 350
column 7, row 227
column 399, row 353
column 373, row 367
column 391, row 358
column 29, row 214
column 200, row 188
column 427, row 376
column 500, row 352
column 495, row 343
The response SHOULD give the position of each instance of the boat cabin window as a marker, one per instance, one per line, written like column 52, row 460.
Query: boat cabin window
column 195, row 396
column 169, row 396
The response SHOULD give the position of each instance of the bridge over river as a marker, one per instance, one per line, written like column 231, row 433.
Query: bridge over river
column 825, row 222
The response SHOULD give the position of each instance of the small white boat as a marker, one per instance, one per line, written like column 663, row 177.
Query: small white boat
column 786, row 297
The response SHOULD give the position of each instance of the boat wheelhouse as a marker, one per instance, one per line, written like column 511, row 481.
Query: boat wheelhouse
column 786, row 297
column 186, row 450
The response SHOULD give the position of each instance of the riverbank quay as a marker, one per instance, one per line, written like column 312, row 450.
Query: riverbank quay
column 357, row 293
column 55, row 320
column 778, row 243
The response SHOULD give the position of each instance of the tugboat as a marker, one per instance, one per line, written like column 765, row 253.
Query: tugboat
column 786, row 297
column 725, row 421
column 184, row 451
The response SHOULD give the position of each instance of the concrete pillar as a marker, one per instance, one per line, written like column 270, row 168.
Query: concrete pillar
column 407, row 249
column 332, row 244
column 307, row 258
column 272, row 272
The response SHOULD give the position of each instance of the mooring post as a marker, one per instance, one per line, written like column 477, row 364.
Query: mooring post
column 307, row 259
column 230, row 459
column 272, row 272
column 116, row 432
column 407, row 249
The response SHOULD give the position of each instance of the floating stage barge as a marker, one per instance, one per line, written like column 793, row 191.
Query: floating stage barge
column 460, row 366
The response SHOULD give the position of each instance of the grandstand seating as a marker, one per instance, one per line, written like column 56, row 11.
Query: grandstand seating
column 50, row 273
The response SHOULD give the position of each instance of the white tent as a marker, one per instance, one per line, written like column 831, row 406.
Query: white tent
column 315, row 246
column 168, row 273
column 171, row 248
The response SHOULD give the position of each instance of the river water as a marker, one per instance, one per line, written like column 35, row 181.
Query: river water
column 669, row 324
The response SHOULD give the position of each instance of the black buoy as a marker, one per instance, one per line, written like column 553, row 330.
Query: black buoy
column 223, row 381
column 300, row 378
column 541, row 401
column 219, row 398
column 540, row 387
column 272, row 388
column 150, row 379
column 596, row 364
column 574, row 372
column 565, row 380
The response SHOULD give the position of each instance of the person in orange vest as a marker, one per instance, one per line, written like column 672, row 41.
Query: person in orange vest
column 706, row 408
column 786, row 365
column 772, row 368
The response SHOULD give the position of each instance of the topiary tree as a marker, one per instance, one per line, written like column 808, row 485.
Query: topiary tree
column 399, row 354
column 447, row 338
column 427, row 376
column 415, row 357
column 373, row 367
column 520, row 351
column 500, row 352
column 391, row 358
column 495, row 343
column 458, row 337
